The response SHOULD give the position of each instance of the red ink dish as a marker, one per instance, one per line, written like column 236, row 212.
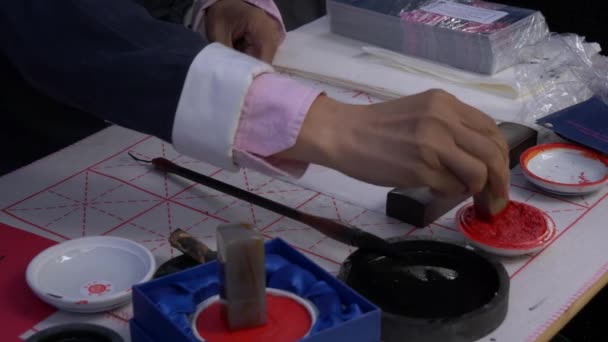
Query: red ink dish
column 565, row 169
column 520, row 229
column 289, row 318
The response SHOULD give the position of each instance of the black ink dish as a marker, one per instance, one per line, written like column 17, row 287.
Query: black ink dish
column 78, row 332
column 439, row 291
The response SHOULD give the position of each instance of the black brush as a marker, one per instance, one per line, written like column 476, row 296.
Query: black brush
column 338, row 231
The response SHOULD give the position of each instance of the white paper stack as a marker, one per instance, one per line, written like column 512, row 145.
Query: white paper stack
column 472, row 35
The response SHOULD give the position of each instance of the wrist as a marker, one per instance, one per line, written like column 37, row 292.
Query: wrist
column 318, row 140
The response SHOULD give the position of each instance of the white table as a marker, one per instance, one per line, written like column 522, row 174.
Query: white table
column 94, row 187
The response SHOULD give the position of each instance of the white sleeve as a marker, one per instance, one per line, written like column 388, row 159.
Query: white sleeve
column 211, row 103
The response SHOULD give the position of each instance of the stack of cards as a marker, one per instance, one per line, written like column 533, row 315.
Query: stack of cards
column 472, row 35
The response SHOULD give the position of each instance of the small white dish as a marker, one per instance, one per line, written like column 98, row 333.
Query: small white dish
column 90, row 274
column 565, row 169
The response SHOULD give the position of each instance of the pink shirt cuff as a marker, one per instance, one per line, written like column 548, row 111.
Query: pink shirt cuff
column 273, row 113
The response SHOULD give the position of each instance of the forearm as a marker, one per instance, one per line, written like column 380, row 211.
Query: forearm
column 317, row 139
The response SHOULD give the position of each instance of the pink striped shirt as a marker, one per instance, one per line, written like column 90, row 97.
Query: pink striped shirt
column 272, row 116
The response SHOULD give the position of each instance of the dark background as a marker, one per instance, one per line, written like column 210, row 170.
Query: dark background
column 35, row 125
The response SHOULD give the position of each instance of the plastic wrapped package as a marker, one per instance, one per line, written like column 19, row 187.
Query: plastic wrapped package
column 572, row 95
column 560, row 71
column 471, row 35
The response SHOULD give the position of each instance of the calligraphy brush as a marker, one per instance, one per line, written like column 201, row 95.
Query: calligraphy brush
column 338, row 231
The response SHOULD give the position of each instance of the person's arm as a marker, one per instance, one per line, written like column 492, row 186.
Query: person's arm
column 110, row 58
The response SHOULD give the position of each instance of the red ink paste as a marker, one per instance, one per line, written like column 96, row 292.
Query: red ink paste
column 287, row 320
column 518, row 224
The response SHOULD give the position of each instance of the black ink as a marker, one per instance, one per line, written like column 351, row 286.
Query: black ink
column 535, row 306
column 435, row 289
column 76, row 332
column 427, row 284
column 139, row 159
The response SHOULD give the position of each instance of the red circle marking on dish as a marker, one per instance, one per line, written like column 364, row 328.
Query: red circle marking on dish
column 519, row 226
column 98, row 288
column 287, row 320
column 532, row 152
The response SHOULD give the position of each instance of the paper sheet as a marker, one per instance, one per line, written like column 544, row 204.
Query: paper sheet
column 133, row 202
column 385, row 74
column 126, row 199
column 341, row 61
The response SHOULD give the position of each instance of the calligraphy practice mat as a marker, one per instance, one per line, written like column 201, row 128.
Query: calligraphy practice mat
column 95, row 188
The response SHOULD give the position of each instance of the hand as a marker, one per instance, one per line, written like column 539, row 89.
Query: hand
column 243, row 27
column 430, row 139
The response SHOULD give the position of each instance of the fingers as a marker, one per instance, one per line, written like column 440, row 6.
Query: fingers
column 484, row 125
column 443, row 182
column 431, row 173
column 245, row 28
column 483, row 149
column 478, row 135
column 471, row 172
column 264, row 38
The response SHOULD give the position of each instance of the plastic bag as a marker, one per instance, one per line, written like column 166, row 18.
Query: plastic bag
column 560, row 71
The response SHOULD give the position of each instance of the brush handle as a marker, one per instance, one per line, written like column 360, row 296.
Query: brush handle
column 191, row 246
column 343, row 233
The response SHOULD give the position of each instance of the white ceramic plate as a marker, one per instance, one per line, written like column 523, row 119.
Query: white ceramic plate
column 565, row 169
column 90, row 274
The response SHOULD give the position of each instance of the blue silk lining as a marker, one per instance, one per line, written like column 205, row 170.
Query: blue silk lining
column 178, row 301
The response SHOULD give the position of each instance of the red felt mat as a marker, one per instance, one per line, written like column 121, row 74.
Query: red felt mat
column 21, row 309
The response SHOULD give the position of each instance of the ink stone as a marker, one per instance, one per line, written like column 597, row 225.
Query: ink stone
column 435, row 289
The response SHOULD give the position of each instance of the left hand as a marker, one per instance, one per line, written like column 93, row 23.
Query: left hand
column 243, row 27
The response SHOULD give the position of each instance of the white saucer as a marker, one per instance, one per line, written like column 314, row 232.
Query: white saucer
column 565, row 169
column 90, row 274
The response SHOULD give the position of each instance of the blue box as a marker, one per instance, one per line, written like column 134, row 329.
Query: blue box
column 138, row 334
column 585, row 123
column 151, row 324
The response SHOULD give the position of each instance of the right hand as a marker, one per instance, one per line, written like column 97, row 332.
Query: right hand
column 430, row 139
